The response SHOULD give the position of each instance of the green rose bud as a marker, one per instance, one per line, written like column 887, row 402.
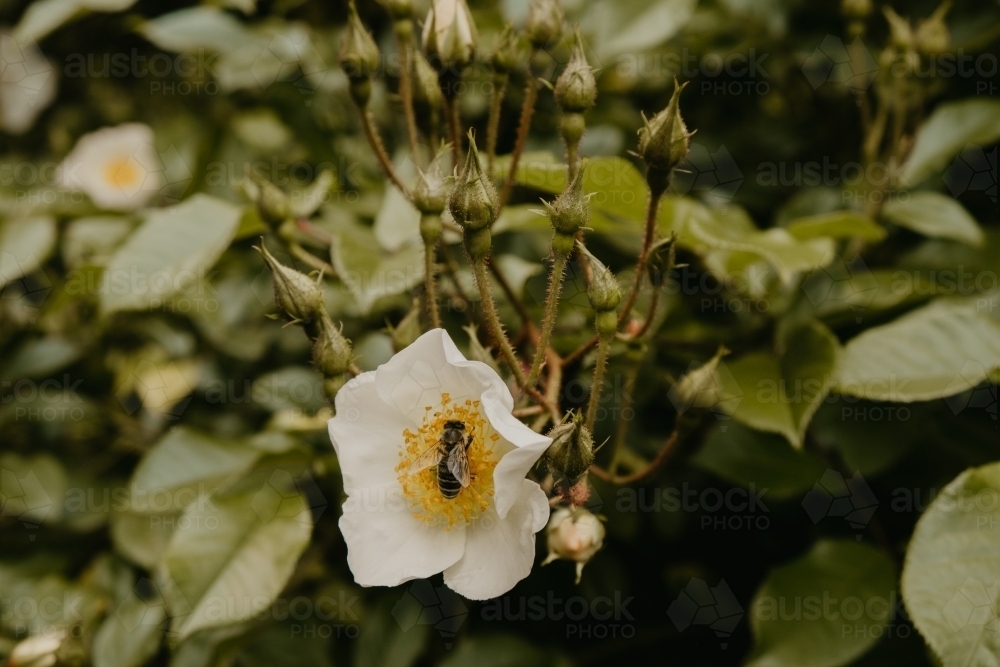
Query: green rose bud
column 430, row 195
column 932, row 35
column 503, row 58
column 572, row 450
column 900, row 32
column 359, row 55
column 662, row 260
column 664, row 141
column 331, row 352
column 571, row 210
column 473, row 202
column 399, row 9
column 604, row 292
column 298, row 295
column 544, row 22
column 700, row 388
column 450, row 36
column 426, row 90
column 272, row 203
column 576, row 88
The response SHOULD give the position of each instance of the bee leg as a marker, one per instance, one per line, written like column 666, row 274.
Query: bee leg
column 468, row 442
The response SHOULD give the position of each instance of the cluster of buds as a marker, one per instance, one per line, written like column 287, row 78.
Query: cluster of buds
column 358, row 57
column 604, row 294
column 664, row 142
column 301, row 299
column 474, row 204
column 574, row 534
column 569, row 213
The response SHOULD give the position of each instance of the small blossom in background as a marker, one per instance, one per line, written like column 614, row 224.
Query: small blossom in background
column 574, row 534
column 397, row 524
column 117, row 167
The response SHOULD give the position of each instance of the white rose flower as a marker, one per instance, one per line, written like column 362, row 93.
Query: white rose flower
column 397, row 524
column 118, row 167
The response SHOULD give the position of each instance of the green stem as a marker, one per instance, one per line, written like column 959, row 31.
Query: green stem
column 621, row 427
column 493, row 124
column 375, row 141
column 493, row 322
column 430, row 285
column 523, row 127
column 603, row 347
column 549, row 317
column 647, row 242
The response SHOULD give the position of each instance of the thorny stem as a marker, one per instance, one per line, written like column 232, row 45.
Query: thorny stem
column 549, row 316
column 509, row 292
column 451, row 266
column 653, row 305
column 430, row 285
column 572, row 160
column 661, row 457
column 493, row 124
column 493, row 322
column 603, row 346
column 524, row 125
column 371, row 134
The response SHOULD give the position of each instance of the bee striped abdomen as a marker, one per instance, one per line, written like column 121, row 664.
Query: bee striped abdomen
column 448, row 485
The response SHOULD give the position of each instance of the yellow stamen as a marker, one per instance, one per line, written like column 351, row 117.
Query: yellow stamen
column 421, row 488
column 121, row 172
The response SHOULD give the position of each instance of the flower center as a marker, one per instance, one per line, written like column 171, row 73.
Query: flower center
column 422, row 488
column 121, row 172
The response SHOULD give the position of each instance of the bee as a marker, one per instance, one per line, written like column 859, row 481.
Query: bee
column 450, row 456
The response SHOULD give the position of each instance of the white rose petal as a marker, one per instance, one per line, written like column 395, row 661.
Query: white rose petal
column 118, row 167
column 397, row 523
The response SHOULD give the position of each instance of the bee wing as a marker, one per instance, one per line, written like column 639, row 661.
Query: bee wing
column 426, row 460
column 458, row 465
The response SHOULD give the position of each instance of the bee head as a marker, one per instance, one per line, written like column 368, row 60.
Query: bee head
column 455, row 424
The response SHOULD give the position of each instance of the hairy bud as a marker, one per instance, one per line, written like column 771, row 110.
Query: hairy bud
column 503, row 57
column 604, row 292
column 664, row 141
column 450, row 36
column 295, row 293
column 574, row 534
column 576, row 88
column 544, row 22
column 473, row 202
column 272, row 203
column 331, row 352
column 359, row 55
column 571, row 210
column 426, row 90
column 702, row 387
column 430, row 195
column 662, row 260
column 900, row 32
column 572, row 450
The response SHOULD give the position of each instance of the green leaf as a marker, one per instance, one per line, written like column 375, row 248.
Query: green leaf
column 230, row 558
column 838, row 225
column 781, row 395
column 91, row 241
column 935, row 215
column 939, row 350
column 786, row 254
column 748, row 457
column 32, row 490
column 25, row 244
column 950, row 129
column 132, row 634
column 172, row 250
column 802, row 612
column 184, row 465
column 41, row 357
column 369, row 273
column 41, row 18
column 196, row 28
column 285, row 646
column 951, row 574
column 870, row 437
column 142, row 538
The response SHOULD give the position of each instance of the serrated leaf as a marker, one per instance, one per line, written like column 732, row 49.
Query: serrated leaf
column 935, row 215
column 170, row 251
column 948, row 130
column 951, row 576
column 795, row 623
column 936, row 351
column 230, row 558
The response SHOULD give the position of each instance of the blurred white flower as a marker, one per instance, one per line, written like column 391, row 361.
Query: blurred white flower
column 396, row 522
column 27, row 84
column 574, row 534
column 118, row 167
